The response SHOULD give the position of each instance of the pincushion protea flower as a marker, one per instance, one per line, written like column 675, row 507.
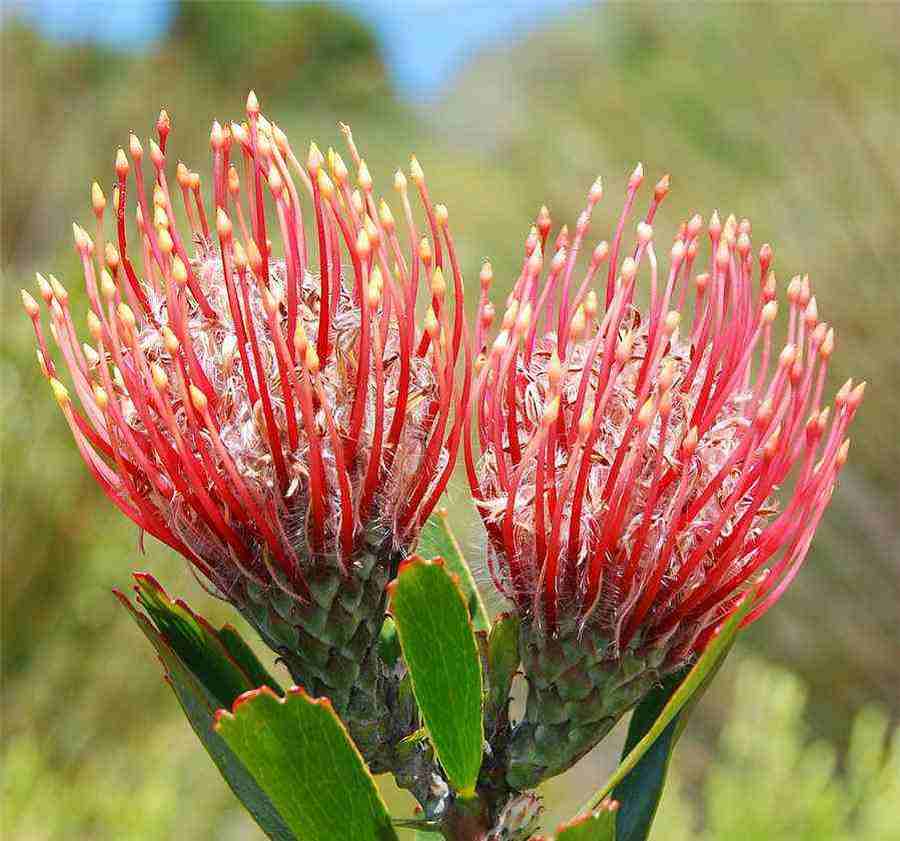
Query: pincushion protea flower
column 631, row 460
column 279, row 420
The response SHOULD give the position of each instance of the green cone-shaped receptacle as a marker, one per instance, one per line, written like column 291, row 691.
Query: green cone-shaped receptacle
column 328, row 643
column 576, row 694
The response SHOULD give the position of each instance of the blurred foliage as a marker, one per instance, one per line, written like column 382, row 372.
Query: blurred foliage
column 770, row 782
column 790, row 113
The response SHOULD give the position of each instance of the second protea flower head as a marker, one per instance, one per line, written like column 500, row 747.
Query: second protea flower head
column 631, row 457
column 267, row 405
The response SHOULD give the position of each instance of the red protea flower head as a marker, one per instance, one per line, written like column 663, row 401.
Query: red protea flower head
column 631, row 458
column 270, row 409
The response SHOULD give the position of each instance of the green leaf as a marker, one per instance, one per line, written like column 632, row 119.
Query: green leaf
column 201, row 648
column 503, row 661
column 647, row 733
column 199, row 702
column 438, row 541
column 244, row 656
column 599, row 825
column 641, row 790
column 299, row 752
column 439, row 646
column 389, row 643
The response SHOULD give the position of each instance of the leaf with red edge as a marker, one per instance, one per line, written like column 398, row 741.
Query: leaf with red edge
column 599, row 825
column 441, row 653
column 222, row 661
column 438, row 541
column 203, row 691
column 299, row 752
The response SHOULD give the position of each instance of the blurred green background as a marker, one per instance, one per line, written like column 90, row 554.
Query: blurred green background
column 788, row 114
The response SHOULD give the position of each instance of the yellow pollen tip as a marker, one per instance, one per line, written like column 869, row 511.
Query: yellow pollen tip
column 690, row 442
column 179, row 271
column 384, row 213
column 579, row 323
column 788, row 355
column 95, row 328
column 673, row 319
column 98, row 200
column 723, row 254
column 107, row 285
column 486, row 276
column 645, row 415
column 431, row 323
column 254, row 256
column 623, row 349
column 842, row 453
column 170, row 340
column 59, row 291
column 198, row 399
column 160, row 219
column 164, row 238
column 101, row 398
column 363, row 244
column 42, row 363
column 554, row 371
column 339, row 168
column 122, row 165
column 44, row 288
column 312, row 360
column 438, row 284
column 585, row 422
column 500, row 342
column 240, row 256
column 551, row 412
column 223, row 224
column 372, row 230
column 523, row 320
column 667, row 374
column 276, row 182
column 90, row 355
column 160, row 379
column 326, row 185
column 31, row 306
column 300, row 340
column 601, row 252
column 314, row 159
column 60, row 392
column 363, row 177
column 156, row 154
column 126, row 315
column 665, row 403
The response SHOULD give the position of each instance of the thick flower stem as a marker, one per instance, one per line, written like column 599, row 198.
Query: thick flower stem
column 467, row 819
